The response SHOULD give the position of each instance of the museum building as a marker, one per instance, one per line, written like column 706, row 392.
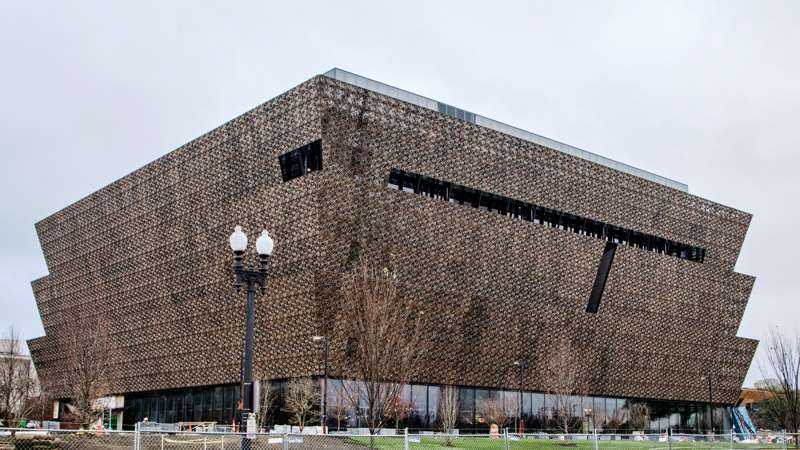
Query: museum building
column 513, row 242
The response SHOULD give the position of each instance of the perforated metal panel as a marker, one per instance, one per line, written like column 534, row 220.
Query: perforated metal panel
column 149, row 252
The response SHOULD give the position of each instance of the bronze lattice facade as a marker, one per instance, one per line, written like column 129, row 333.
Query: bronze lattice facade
column 149, row 254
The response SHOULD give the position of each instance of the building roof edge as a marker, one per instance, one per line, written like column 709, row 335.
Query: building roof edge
column 435, row 105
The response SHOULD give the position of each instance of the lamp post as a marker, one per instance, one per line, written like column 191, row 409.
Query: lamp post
column 520, row 366
column 253, row 278
column 587, row 412
column 326, row 342
column 707, row 377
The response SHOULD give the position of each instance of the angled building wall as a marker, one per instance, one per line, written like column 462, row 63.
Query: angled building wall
column 148, row 256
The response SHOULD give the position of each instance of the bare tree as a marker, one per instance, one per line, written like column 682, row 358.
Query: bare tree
column 383, row 348
column 39, row 404
column 491, row 409
column 781, row 366
column 266, row 402
column 340, row 408
column 616, row 420
column 448, row 411
column 18, row 385
column 561, row 381
column 399, row 409
column 640, row 416
column 87, row 356
column 302, row 401
column 597, row 418
column 763, row 417
column 765, row 383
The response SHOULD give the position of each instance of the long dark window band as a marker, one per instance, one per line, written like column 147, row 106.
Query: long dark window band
column 463, row 195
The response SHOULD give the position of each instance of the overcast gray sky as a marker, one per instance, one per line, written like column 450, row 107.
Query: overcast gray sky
column 706, row 93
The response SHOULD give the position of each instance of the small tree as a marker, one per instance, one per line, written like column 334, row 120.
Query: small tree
column 616, row 420
column 383, row 348
column 640, row 416
column 39, row 406
column 598, row 419
column 448, row 411
column 400, row 409
column 340, row 408
column 18, row 384
column 561, row 380
column 763, row 415
column 492, row 411
column 782, row 367
column 266, row 402
column 302, row 401
column 87, row 354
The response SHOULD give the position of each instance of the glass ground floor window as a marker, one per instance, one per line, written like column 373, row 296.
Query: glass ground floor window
column 478, row 409
column 196, row 404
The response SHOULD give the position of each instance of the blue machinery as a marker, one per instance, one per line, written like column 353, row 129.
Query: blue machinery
column 742, row 425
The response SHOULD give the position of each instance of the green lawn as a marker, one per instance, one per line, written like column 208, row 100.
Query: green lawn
column 485, row 443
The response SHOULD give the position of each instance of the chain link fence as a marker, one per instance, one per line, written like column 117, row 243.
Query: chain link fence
column 13, row 439
column 64, row 439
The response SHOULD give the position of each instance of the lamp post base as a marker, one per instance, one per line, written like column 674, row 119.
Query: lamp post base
column 249, row 423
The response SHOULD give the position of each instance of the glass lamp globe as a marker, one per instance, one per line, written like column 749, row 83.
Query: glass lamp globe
column 264, row 244
column 238, row 240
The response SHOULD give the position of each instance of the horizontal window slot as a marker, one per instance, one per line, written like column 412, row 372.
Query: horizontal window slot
column 486, row 201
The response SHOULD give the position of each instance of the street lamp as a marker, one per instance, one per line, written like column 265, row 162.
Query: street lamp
column 326, row 342
column 707, row 377
column 587, row 412
column 252, row 278
column 520, row 366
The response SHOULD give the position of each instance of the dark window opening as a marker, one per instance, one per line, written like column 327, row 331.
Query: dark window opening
column 301, row 161
column 487, row 201
column 602, row 275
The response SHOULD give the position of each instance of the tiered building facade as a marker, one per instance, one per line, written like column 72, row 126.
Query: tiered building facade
column 514, row 242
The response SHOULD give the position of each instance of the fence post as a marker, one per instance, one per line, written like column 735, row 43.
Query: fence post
column 596, row 439
column 505, row 437
column 669, row 438
column 222, row 446
column 162, row 442
column 785, row 446
column 731, row 438
column 405, row 439
column 285, row 440
column 136, row 436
